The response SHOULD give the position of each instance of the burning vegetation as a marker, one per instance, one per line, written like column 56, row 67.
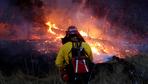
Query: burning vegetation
column 41, row 20
column 110, row 27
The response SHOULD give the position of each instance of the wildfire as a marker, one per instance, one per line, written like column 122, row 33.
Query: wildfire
column 50, row 26
column 83, row 33
column 96, row 47
column 95, row 50
column 93, row 30
column 101, row 49
column 56, row 35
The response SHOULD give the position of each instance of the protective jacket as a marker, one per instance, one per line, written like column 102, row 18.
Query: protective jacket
column 65, row 55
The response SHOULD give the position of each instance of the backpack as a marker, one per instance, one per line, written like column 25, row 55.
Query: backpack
column 80, row 67
column 80, row 63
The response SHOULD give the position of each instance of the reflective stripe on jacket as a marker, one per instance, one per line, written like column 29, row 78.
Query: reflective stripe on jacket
column 64, row 54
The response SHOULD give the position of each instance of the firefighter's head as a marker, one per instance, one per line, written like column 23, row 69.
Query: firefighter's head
column 72, row 33
column 72, row 30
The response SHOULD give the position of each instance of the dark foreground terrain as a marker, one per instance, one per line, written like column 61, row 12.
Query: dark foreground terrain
column 20, row 63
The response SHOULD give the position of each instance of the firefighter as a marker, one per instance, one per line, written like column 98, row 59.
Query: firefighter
column 64, row 55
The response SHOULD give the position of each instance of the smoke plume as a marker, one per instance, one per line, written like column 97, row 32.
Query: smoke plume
column 131, row 16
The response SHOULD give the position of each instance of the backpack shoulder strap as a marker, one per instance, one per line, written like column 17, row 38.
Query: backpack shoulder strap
column 74, row 45
column 84, row 52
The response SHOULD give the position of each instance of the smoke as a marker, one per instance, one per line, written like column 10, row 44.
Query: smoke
column 25, row 9
column 22, row 18
column 127, row 20
column 123, row 18
column 19, row 17
column 130, row 16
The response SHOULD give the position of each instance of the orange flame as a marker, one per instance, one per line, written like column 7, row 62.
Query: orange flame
column 98, row 45
column 50, row 27
column 83, row 33
column 95, row 46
